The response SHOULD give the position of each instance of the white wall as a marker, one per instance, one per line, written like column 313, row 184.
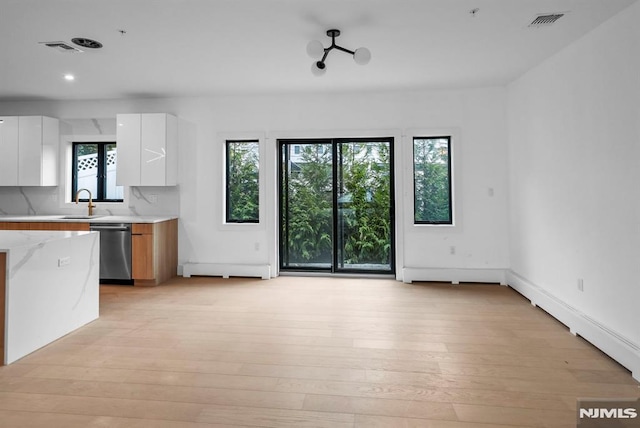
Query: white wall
column 574, row 173
column 476, row 116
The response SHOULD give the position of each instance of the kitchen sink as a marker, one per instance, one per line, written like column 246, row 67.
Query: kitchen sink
column 80, row 217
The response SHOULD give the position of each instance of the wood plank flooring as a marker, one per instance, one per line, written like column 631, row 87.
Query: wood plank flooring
column 310, row 352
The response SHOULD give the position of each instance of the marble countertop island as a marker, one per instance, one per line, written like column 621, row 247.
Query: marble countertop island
column 50, row 287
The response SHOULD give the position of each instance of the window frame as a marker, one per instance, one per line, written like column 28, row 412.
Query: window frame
column 101, row 176
column 449, row 138
column 227, row 210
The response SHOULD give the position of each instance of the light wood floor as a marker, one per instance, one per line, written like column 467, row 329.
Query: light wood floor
column 310, row 352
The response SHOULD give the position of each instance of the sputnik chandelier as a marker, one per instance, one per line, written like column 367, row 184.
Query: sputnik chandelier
column 317, row 51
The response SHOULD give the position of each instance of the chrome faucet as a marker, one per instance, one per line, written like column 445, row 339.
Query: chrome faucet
column 90, row 206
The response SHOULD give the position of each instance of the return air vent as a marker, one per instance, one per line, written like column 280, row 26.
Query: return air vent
column 545, row 20
column 61, row 47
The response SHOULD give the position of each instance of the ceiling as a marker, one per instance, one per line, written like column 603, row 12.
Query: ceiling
column 207, row 47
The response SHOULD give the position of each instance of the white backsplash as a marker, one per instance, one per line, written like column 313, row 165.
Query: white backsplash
column 162, row 201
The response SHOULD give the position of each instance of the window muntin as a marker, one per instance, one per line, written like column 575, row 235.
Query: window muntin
column 432, row 180
column 94, row 168
column 242, row 181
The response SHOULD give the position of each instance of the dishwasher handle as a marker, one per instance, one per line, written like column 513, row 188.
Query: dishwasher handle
column 123, row 228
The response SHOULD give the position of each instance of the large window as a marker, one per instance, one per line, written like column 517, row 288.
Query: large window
column 432, row 180
column 242, row 186
column 94, row 168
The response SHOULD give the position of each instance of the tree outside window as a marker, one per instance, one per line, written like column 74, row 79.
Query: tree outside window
column 432, row 180
column 242, row 187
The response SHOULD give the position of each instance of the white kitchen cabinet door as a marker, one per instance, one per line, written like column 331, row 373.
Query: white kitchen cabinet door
column 8, row 151
column 159, row 131
column 128, row 137
column 147, row 149
column 38, row 140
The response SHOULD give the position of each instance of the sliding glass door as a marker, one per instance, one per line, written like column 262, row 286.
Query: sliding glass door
column 336, row 205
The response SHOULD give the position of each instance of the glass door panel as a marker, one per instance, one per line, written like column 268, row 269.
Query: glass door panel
column 364, row 199
column 306, row 205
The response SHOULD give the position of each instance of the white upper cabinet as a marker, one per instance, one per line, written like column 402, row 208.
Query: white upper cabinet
column 147, row 149
column 29, row 151
column 9, row 151
column 128, row 150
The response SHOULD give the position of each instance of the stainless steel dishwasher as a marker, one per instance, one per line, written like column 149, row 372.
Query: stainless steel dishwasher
column 115, row 252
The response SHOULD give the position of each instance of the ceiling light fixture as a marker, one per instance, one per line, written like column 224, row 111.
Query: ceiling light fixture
column 69, row 77
column 316, row 50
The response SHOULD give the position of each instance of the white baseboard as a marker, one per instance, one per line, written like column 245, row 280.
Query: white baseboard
column 226, row 270
column 618, row 347
column 453, row 275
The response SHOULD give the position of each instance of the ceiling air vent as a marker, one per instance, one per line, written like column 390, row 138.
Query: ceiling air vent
column 86, row 43
column 61, row 47
column 545, row 20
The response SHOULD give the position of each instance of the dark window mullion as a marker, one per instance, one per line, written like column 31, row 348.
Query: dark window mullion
column 102, row 155
column 336, row 158
column 228, row 175
column 74, row 171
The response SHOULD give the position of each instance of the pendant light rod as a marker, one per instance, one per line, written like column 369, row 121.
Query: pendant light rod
column 333, row 34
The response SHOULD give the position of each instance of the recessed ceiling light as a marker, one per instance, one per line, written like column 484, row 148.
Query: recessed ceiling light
column 69, row 77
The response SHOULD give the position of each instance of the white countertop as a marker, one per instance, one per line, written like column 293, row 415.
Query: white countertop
column 70, row 218
column 13, row 239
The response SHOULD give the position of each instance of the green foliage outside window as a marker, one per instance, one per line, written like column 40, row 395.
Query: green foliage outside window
column 243, row 182
column 364, row 209
column 432, row 180
column 363, row 196
column 310, row 203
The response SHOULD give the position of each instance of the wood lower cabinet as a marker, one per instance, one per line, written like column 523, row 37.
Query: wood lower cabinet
column 154, row 250
column 154, row 247
column 142, row 252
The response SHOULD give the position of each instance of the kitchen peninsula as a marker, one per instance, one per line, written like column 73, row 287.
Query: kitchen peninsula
column 49, row 286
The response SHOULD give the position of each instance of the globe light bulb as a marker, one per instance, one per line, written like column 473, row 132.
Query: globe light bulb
column 318, row 68
column 315, row 49
column 362, row 56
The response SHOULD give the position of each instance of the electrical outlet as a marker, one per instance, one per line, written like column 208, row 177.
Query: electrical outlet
column 580, row 284
column 64, row 261
column 452, row 250
column 490, row 191
column 153, row 198
column 256, row 246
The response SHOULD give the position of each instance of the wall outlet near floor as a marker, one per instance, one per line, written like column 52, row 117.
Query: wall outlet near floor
column 452, row 250
column 580, row 284
column 256, row 246
column 64, row 261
